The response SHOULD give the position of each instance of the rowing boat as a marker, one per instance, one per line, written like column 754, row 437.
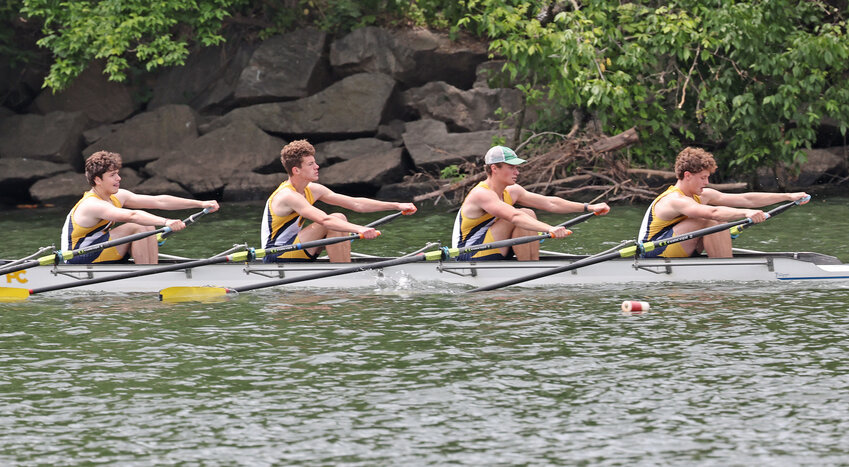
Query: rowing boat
column 746, row 266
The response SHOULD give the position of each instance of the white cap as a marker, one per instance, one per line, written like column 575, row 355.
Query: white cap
column 498, row 154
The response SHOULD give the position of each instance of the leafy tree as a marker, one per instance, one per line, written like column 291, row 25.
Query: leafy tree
column 752, row 80
column 151, row 33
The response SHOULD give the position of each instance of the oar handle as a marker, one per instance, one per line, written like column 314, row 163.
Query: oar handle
column 166, row 231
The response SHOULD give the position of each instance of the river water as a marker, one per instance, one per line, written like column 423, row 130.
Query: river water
column 715, row 374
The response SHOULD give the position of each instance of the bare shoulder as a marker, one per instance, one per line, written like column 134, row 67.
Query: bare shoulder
column 711, row 196
column 318, row 190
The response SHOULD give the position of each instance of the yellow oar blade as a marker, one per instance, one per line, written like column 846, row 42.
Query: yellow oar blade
column 195, row 294
column 13, row 294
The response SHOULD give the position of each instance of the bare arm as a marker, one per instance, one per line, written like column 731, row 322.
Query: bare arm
column 753, row 199
column 287, row 201
column 92, row 211
column 682, row 205
column 137, row 201
column 357, row 204
column 553, row 203
column 481, row 199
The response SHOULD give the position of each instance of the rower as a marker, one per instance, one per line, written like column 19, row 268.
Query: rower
column 689, row 205
column 291, row 205
column 488, row 215
column 91, row 221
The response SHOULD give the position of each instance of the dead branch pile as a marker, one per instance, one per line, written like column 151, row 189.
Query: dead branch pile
column 580, row 168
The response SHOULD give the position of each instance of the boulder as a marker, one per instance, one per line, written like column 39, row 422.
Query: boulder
column 366, row 174
column 821, row 166
column 95, row 134
column 431, row 146
column 491, row 75
column 404, row 191
column 55, row 137
column 285, row 67
column 353, row 105
column 472, row 110
column 206, row 164
column 412, row 57
column 208, row 80
column 64, row 188
column 147, row 136
column 161, row 186
column 250, row 186
column 91, row 93
column 333, row 152
column 17, row 174
column 392, row 131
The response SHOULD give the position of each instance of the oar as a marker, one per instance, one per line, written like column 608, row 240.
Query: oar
column 637, row 249
column 11, row 294
column 62, row 255
column 178, row 294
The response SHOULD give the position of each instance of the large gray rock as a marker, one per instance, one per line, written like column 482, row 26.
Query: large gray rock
column 250, row 186
column 91, row 93
column 404, row 191
column 147, row 136
column 207, row 164
column 64, row 188
column 333, row 152
column 68, row 187
column 18, row 174
column 366, row 174
column 472, row 110
column 412, row 57
column 353, row 105
column 431, row 146
column 55, row 137
column 820, row 166
column 161, row 186
column 285, row 67
column 207, row 82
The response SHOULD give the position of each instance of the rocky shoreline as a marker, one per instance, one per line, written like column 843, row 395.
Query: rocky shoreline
column 378, row 104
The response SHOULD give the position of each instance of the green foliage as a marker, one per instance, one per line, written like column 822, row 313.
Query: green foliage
column 451, row 172
column 123, row 33
column 750, row 79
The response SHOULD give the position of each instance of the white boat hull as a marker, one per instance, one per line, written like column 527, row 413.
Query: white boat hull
column 774, row 267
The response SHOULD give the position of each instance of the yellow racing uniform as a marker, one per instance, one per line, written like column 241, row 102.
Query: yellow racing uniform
column 75, row 236
column 279, row 231
column 470, row 232
column 653, row 228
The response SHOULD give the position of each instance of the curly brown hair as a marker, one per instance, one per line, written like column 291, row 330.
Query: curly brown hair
column 293, row 154
column 693, row 160
column 99, row 163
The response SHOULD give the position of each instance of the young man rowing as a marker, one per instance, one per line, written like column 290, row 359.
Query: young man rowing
column 488, row 215
column 92, row 219
column 291, row 204
column 688, row 206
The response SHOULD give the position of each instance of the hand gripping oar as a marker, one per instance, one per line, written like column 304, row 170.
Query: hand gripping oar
column 637, row 249
column 61, row 255
column 10, row 293
column 211, row 293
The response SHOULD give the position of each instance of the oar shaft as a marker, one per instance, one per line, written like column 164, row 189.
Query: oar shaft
column 338, row 272
column 142, row 273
